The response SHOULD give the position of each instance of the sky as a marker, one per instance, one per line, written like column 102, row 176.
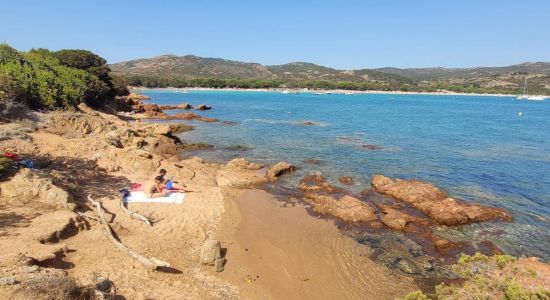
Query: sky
column 339, row 34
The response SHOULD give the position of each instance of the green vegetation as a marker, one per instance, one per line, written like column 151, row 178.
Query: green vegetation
column 161, row 81
column 490, row 277
column 63, row 79
column 5, row 163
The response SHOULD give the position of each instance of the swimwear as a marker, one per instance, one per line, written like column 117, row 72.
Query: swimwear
column 168, row 185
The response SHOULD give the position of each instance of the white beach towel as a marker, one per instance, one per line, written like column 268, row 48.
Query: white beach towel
column 139, row 196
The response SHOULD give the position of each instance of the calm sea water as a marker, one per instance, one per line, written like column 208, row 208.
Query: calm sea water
column 477, row 148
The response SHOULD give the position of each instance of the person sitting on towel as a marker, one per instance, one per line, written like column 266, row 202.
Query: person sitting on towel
column 154, row 189
column 172, row 185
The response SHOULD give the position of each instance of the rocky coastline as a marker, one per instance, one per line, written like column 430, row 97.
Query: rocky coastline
column 50, row 235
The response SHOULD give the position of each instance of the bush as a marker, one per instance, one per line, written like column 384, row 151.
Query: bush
column 5, row 164
column 63, row 79
column 491, row 277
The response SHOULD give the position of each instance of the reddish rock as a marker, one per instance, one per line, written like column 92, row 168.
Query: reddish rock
column 346, row 208
column 192, row 116
column 346, row 180
column 435, row 203
column 396, row 219
column 365, row 192
column 317, row 183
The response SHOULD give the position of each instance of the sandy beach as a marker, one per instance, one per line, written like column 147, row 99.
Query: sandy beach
column 272, row 251
column 229, row 239
column 320, row 91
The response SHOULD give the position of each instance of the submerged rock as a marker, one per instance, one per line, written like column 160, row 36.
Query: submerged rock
column 372, row 147
column 436, row 203
column 317, row 183
column 347, row 180
column 396, row 219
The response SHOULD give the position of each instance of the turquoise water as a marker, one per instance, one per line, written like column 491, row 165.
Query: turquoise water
column 477, row 148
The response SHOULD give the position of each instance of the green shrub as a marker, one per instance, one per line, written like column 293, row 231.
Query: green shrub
column 5, row 164
column 61, row 79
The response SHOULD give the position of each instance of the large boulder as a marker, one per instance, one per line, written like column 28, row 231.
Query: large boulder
column 346, row 208
column 33, row 186
column 435, row 203
column 279, row 169
column 240, row 173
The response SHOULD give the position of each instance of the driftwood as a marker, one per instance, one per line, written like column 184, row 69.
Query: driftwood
column 151, row 263
column 132, row 214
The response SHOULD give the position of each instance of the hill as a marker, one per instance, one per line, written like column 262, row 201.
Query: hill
column 172, row 70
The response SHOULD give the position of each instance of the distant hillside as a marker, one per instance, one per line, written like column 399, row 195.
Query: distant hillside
column 172, row 70
column 542, row 68
column 194, row 66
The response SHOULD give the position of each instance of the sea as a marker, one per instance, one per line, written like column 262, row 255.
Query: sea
column 493, row 150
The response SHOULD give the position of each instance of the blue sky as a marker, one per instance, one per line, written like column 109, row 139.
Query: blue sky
column 341, row 34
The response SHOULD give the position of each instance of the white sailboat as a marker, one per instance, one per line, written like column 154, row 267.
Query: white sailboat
column 526, row 96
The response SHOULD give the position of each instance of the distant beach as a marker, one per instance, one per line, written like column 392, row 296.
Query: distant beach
column 318, row 91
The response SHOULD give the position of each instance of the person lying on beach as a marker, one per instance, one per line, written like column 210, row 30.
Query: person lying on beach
column 154, row 188
column 172, row 185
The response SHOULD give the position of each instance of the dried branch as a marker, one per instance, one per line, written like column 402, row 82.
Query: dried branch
column 151, row 263
column 132, row 214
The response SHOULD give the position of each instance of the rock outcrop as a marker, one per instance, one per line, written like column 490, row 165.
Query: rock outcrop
column 203, row 107
column 177, row 106
column 435, row 203
column 396, row 219
column 240, row 173
column 29, row 186
column 278, row 170
column 192, row 116
column 346, row 208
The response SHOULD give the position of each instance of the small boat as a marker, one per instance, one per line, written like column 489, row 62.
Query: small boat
column 526, row 96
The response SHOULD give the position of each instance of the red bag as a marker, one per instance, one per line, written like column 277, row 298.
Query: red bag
column 12, row 156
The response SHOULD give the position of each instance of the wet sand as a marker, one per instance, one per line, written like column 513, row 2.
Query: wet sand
column 278, row 251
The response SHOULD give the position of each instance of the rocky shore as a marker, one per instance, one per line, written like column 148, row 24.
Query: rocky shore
column 54, row 245
column 52, row 242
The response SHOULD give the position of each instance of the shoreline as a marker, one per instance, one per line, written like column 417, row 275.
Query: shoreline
column 321, row 91
column 285, row 253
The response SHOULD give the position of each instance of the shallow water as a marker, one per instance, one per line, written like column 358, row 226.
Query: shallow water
column 477, row 148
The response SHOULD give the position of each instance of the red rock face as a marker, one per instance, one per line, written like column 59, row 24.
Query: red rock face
column 435, row 203
column 192, row 116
